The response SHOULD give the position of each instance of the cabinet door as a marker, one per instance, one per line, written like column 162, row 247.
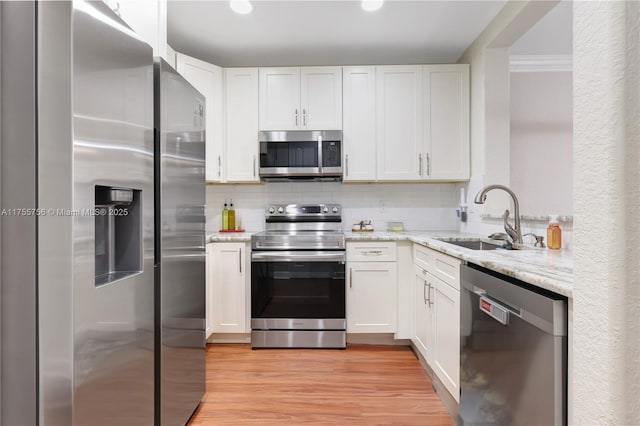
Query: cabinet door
column 359, row 126
column 280, row 99
column 241, row 142
column 423, row 316
column 372, row 297
column 207, row 79
column 446, row 121
column 446, row 334
column 321, row 98
column 208, row 291
column 229, row 309
column 399, row 122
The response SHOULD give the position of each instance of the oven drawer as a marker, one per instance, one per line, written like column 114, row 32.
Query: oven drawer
column 371, row 251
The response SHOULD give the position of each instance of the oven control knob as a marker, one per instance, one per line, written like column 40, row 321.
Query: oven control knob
column 271, row 210
column 334, row 209
column 280, row 210
column 325, row 209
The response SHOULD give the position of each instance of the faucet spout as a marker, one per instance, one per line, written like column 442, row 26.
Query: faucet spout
column 514, row 232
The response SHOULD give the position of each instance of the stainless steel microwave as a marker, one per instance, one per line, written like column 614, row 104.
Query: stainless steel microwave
column 301, row 155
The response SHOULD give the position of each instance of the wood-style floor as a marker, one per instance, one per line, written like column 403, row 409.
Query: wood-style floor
column 362, row 385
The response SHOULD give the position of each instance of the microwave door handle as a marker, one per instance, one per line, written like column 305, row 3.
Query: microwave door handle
column 320, row 154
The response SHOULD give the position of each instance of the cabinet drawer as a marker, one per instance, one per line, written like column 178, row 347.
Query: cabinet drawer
column 422, row 257
column 446, row 268
column 371, row 251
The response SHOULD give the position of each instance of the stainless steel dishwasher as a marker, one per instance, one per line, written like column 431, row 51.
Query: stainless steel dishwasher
column 513, row 351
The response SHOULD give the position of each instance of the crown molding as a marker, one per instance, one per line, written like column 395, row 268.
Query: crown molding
column 541, row 63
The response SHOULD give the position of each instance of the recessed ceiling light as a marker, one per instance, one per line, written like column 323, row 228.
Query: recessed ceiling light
column 241, row 6
column 371, row 5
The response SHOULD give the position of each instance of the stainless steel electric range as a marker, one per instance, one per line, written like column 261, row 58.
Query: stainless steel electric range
column 298, row 278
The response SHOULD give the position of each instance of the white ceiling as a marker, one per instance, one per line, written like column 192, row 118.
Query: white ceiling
column 552, row 35
column 327, row 32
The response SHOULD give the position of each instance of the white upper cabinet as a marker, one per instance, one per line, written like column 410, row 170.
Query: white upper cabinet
column 280, row 98
column 321, row 98
column 359, row 123
column 399, row 122
column 241, row 113
column 446, row 122
column 308, row 98
column 207, row 79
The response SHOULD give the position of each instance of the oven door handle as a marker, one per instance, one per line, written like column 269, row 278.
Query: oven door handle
column 298, row 256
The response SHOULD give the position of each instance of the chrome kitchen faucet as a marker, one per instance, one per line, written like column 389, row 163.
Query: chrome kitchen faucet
column 514, row 233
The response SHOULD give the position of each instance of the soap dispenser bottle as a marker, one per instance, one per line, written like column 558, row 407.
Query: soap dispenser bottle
column 554, row 233
column 225, row 217
column 232, row 217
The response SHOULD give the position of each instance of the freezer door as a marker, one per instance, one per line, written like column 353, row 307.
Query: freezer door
column 180, row 239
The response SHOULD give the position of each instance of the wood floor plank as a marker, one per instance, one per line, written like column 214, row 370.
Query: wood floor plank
column 362, row 385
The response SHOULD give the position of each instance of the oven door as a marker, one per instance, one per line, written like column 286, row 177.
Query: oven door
column 298, row 290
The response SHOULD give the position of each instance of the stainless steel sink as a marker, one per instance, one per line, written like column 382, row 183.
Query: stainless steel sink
column 477, row 245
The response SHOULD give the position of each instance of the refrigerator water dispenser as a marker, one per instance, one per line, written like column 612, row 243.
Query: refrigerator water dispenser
column 118, row 233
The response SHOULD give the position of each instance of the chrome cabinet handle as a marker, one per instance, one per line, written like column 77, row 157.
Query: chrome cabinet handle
column 296, row 117
column 240, row 259
column 254, row 166
column 428, row 165
column 350, row 278
column 419, row 164
column 429, row 298
column 304, row 117
column 219, row 166
column 371, row 253
column 424, row 292
column 346, row 164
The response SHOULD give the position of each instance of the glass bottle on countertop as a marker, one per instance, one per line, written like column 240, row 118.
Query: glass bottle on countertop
column 554, row 233
column 225, row 217
column 232, row 217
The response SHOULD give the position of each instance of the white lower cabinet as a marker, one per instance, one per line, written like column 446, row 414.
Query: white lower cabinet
column 207, row 290
column 437, row 314
column 423, row 325
column 227, row 285
column 372, row 297
column 372, row 287
column 446, row 334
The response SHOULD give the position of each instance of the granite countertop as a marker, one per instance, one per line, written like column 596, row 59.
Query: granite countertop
column 548, row 269
column 230, row 237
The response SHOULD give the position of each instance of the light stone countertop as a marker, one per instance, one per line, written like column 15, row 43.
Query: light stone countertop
column 548, row 269
column 230, row 237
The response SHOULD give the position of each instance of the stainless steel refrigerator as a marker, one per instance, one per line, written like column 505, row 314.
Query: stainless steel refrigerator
column 83, row 287
column 180, row 244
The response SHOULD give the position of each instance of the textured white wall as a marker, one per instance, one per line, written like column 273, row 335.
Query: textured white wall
column 541, row 157
column 606, row 373
column 490, row 139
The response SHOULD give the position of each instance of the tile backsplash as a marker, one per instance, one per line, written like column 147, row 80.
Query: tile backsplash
column 421, row 206
column 476, row 224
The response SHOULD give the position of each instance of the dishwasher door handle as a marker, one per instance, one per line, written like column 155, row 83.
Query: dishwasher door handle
column 494, row 310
